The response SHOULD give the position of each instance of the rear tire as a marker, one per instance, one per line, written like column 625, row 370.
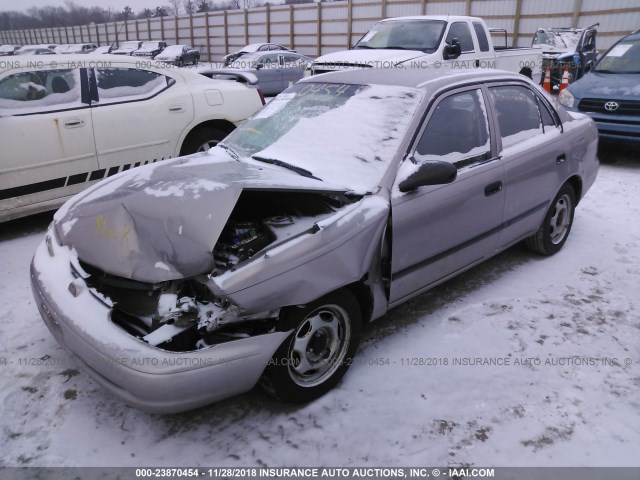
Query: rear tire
column 556, row 225
column 313, row 359
column 202, row 139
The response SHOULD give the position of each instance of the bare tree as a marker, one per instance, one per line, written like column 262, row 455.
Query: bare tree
column 146, row 13
column 176, row 5
column 189, row 7
column 161, row 12
column 203, row 6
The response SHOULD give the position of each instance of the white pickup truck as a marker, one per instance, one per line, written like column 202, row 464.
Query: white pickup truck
column 432, row 42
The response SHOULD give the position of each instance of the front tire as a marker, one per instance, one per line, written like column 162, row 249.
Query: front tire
column 201, row 140
column 317, row 354
column 556, row 225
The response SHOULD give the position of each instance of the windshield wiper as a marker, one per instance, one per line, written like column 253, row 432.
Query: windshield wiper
column 230, row 151
column 396, row 47
column 288, row 166
column 365, row 46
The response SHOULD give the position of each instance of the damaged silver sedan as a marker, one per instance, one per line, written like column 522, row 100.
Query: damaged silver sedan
column 186, row 282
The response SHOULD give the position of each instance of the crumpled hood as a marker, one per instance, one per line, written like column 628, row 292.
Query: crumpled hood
column 369, row 57
column 160, row 222
column 608, row 86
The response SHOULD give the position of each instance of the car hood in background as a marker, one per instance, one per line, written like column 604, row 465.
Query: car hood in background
column 160, row 222
column 147, row 49
column 608, row 86
column 364, row 57
column 123, row 51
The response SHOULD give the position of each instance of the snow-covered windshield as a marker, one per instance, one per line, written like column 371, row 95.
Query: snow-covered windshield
column 421, row 35
column 7, row 48
column 172, row 51
column 343, row 134
column 623, row 58
column 557, row 41
column 128, row 45
column 252, row 47
column 150, row 45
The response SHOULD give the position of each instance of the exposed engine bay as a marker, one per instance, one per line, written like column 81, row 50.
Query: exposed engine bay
column 184, row 315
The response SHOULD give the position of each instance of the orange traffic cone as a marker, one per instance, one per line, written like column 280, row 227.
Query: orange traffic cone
column 547, row 80
column 565, row 79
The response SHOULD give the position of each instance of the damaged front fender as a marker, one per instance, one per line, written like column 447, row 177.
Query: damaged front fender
column 338, row 252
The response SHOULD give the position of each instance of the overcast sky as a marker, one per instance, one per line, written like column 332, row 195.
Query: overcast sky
column 116, row 5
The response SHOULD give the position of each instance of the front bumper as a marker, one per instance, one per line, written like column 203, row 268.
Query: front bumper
column 141, row 375
column 620, row 132
column 613, row 127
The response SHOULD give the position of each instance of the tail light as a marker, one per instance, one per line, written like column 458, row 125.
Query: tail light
column 261, row 96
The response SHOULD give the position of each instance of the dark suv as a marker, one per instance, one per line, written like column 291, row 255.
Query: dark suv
column 610, row 93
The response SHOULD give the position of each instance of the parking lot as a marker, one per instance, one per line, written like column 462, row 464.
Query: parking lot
column 524, row 360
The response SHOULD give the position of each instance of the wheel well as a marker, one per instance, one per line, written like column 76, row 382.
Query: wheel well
column 576, row 183
column 221, row 124
column 364, row 297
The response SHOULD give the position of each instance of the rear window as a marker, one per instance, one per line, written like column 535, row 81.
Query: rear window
column 482, row 37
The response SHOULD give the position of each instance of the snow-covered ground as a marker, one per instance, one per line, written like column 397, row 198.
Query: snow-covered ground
column 411, row 398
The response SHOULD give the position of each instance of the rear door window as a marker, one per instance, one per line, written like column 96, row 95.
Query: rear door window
column 129, row 84
column 517, row 112
column 482, row 37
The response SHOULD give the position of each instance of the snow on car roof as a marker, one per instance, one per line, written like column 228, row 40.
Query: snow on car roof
column 412, row 77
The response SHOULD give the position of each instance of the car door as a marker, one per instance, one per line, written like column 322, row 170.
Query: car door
column 270, row 73
column 470, row 56
column 533, row 152
column 138, row 115
column 439, row 230
column 294, row 67
column 588, row 52
column 46, row 136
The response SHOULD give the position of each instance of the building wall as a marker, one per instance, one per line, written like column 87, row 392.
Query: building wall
column 316, row 29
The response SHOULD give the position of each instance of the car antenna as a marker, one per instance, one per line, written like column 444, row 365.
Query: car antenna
column 117, row 34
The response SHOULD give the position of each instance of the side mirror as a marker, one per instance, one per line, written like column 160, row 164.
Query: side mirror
column 433, row 172
column 452, row 51
column 259, row 66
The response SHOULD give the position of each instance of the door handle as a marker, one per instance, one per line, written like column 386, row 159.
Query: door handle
column 561, row 159
column 175, row 108
column 492, row 188
column 477, row 63
column 73, row 123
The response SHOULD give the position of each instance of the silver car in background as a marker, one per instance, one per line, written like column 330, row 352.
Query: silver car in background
column 275, row 71
column 186, row 282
